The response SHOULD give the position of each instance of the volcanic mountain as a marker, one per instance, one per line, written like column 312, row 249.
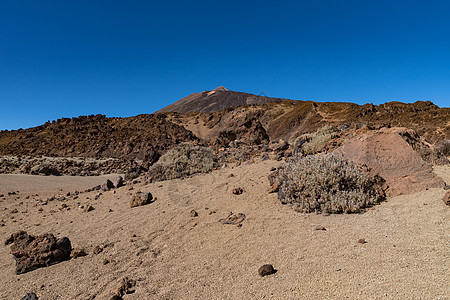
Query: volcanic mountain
column 212, row 118
column 216, row 100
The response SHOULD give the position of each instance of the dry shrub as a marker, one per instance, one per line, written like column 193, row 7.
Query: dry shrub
column 310, row 143
column 442, row 148
column 182, row 161
column 326, row 183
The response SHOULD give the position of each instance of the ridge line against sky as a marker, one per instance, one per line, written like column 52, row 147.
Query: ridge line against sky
column 128, row 58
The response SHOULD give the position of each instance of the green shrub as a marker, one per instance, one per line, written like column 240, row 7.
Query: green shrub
column 326, row 183
column 182, row 161
column 310, row 143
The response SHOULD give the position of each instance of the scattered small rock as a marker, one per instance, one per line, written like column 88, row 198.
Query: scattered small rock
column 119, row 182
column 107, row 185
column 194, row 213
column 77, row 253
column 140, row 199
column 125, row 287
column 265, row 270
column 320, row 227
column 30, row 296
column 238, row 191
column 446, row 198
column 97, row 250
column 88, row 208
column 231, row 175
column 362, row 241
column 61, row 198
column 97, row 196
column 233, row 219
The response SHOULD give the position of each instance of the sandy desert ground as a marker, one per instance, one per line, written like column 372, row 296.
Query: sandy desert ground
column 173, row 255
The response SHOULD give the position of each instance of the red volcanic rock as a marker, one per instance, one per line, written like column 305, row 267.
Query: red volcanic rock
column 33, row 252
column 386, row 153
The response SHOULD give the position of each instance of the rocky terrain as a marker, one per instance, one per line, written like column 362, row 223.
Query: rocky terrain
column 116, row 228
column 196, row 238
column 215, row 100
column 137, row 142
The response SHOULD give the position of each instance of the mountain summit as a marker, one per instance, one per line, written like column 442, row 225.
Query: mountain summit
column 216, row 100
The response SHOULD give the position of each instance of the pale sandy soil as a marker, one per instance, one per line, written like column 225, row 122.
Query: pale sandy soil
column 406, row 255
column 28, row 184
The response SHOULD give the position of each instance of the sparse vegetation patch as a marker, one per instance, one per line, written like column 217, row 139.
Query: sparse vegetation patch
column 310, row 143
column 182, row 161
column 326, row 183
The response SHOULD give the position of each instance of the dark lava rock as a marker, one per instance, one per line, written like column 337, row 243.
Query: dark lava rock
column 238, row 191
column 89, row 208
column 140, row 199
column 320, row 227
column 446, row 198
column 119, row 182
column 265, row 270
column 30, row 296
column 107, row 185
column 33, row 252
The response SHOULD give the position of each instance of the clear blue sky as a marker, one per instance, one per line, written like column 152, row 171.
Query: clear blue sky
column 123, row 58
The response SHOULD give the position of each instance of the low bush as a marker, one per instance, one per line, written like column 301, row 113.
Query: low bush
column 443, row 148
column 326, row 183
column 310, row 143
column 182, row 161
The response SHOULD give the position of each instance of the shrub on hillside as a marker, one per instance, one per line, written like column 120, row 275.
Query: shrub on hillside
column 443, row 148
column 182, row 161
column 310, row 143
column 326, row 183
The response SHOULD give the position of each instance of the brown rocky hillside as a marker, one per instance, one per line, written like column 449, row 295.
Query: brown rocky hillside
column 289, row 119
column 146, row 137
column 143, row 137
column 215, row 100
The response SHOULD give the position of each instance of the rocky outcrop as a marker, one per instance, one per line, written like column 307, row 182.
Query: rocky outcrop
column 387, row 153
column 144, row 137
column 244, row 129
column 33, row 252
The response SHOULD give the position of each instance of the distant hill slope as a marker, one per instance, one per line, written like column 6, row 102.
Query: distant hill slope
column 144, row 137
column 215, row 100
column 289, row 119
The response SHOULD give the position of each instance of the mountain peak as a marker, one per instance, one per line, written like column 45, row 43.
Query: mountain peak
column 221, row 88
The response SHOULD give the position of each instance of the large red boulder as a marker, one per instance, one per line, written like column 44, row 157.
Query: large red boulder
column 386, row 153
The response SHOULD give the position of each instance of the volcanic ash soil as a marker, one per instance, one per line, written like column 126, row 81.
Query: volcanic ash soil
column 168, row 252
